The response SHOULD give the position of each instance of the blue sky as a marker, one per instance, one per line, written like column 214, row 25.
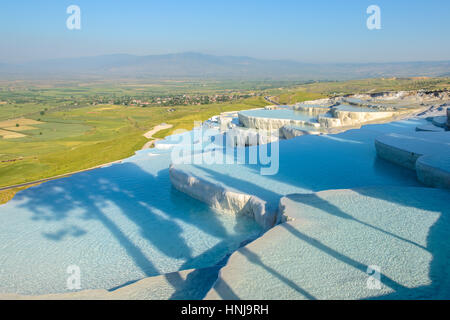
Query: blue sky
column 309, row 31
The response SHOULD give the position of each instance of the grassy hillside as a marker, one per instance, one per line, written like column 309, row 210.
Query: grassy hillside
column 52, row 129
column 67, row 141
column 299, row 95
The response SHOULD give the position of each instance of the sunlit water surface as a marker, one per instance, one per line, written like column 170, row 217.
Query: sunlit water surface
column 117, row 224
column 126, row 222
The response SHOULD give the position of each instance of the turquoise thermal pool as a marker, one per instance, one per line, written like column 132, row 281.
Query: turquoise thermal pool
column 350, row 108
column 313, row 163
column 117, row 224
column 126, row 222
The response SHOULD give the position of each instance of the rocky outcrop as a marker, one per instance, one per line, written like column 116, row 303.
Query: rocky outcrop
column 221, row 198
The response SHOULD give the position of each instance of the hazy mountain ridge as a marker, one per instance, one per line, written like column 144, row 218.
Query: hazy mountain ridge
column 197, row 65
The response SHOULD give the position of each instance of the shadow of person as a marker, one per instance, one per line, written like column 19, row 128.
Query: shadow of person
column 437, row 243
column 90, row 195
column 426, row 199
column 313, row 200
column 128, row 192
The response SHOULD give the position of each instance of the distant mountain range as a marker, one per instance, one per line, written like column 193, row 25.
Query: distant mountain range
column 197, row 65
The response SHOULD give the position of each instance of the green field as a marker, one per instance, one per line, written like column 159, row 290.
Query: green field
column 74, row 133
column 85, row 137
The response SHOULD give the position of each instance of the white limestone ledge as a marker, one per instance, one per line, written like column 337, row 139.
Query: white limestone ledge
column 326, row 118
column 313, row 110
column 272, row 123
column 429, row 127
column 324, row 101
column 326, row 250
column 289, row 132
column 440, row 121
column 428, row 153
column 223, row 199
column 448, row 118
column 242, row 137
column 342, row 118
column 434, row 170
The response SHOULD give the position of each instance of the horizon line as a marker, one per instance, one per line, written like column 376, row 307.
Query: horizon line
column 222, row 56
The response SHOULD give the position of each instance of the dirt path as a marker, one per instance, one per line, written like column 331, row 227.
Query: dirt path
column 268, row 99
column 149, row 135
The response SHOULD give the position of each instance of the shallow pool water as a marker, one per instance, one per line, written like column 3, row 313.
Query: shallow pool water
column 347, row 107
column 117, row 224
column 126, row 222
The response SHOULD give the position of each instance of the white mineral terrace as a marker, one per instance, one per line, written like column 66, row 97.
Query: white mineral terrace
column 335, row 238
column 309, row 252
column 426, row 152
column 323, row 116
column 361, row 188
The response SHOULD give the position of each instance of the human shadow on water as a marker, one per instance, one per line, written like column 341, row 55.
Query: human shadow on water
column 309, row 199
column 90, row 193
column 315, row 164
column 313, row 200
column 195, row 286
column 226, row 292
column 436, row 243
column 145, row 199
column 374, row 172
column 202, row 280
column 255, row 259
column 73, row 231
column 337, row 255
column 335, row 161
